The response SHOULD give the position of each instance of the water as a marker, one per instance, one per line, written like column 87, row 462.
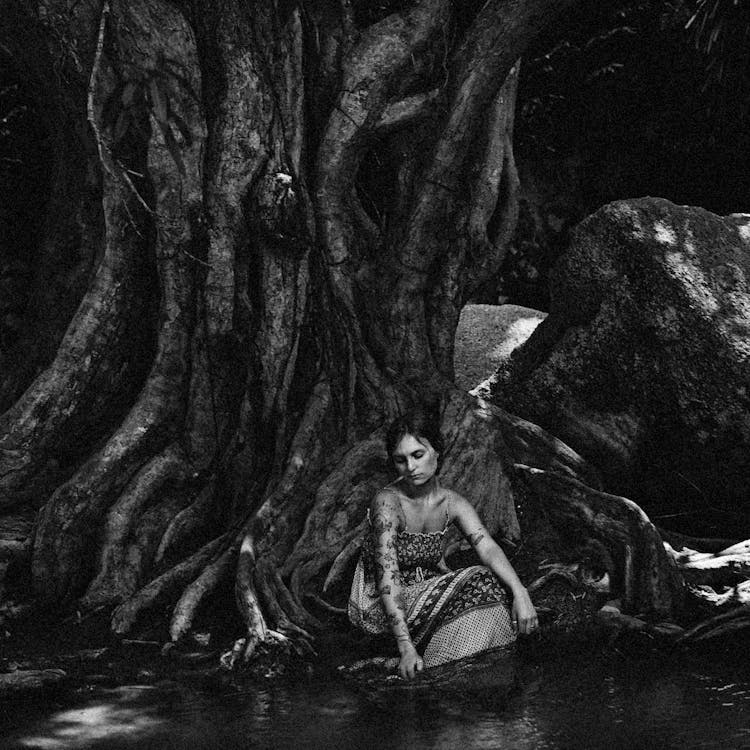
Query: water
column 571, row 701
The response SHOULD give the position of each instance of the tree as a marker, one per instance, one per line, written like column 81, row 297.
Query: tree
column 278, row 211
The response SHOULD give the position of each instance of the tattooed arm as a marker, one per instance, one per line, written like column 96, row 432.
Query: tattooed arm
column 523, row 612
column 385, row 513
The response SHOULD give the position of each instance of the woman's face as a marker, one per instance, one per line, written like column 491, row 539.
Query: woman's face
column 415, row 459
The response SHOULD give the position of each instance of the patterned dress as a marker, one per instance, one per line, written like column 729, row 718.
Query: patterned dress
column 449, row 615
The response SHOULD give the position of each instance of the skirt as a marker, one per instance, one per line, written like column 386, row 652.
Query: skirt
column 449, row 615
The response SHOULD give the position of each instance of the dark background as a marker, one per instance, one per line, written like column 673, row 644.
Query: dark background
column 616, row 100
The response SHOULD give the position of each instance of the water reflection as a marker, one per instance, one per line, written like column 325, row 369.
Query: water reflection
column 124, row 713
column 581, row 700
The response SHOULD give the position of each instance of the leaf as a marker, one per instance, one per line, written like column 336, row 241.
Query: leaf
column 129, row 92
column 177, row 76
column 122, row 125
column 182, row 126
column 110, row 110
column 139, row 122
column 173, row 147
column 158, row 101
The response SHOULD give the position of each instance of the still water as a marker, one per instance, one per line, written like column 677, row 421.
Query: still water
column 571, row 701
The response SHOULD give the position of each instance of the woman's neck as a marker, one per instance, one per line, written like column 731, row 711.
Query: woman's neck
column 423, row 492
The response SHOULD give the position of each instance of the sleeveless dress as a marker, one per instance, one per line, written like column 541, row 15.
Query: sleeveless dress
column 450, row 615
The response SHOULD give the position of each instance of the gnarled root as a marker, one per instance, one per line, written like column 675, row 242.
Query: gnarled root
column 291, row 601
column 120, row 572
column 187, row 522
column 261, row 598
column 648, row 580
column 725, row 566
column 704, row 572
column 197, row 592
column 530, row 445
column 345, row 558
column 168, row 586
column 274, row 596
column 726, row 623
column 617, row 623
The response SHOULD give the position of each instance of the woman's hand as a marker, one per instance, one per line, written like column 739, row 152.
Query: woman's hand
column 410, row 663
column 523, row 614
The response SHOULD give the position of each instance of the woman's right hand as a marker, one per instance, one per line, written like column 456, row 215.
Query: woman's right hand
column 410, row 663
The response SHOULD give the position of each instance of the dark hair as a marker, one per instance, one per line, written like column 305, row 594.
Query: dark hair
column 418, row 423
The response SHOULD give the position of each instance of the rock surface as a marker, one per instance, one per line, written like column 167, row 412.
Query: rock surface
column 24, row 681
column 485, row 337
column 643, row 364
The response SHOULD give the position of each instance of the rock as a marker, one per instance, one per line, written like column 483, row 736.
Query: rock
column 485, row 337
column 643, row 364
column 24, row 681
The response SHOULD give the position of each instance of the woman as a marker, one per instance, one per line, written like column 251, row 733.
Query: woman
column 402, row 584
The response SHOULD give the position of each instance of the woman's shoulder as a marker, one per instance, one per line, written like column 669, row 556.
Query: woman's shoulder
column 386, row 499
column 385, row 511
column 456, row 502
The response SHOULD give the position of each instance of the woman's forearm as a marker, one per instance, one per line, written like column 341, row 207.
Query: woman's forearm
column 523, row 613
column 387, row 573
column 395, row 611
column 492, row 555
column 410, row 662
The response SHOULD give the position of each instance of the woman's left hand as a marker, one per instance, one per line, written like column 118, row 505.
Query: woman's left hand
column 523, row 613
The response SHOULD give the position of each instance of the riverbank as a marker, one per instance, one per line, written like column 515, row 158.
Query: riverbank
column 85, row 653
column 582, row 692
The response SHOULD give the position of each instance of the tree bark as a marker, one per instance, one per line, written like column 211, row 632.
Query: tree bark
column 265, row 299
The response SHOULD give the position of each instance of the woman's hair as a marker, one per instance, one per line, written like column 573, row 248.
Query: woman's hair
column 417, row 423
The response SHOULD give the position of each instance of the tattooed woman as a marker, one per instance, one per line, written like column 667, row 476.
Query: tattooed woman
column 402, row 584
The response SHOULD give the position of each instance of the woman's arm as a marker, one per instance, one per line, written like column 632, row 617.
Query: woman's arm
column 524, row 615
column 384, row 518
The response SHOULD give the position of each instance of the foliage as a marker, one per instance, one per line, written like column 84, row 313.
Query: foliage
column 640, row 97
column 145, row 97
column 626, row 80
column 721, row 31
column 23, row 173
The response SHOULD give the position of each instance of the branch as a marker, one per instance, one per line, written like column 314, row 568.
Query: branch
column 382, row 52
column 105, row 155
column 493, row 189
column 496, row 39
column 486, row 188
column 407, row 110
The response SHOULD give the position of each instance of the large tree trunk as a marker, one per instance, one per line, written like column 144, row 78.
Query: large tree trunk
column 311, row 192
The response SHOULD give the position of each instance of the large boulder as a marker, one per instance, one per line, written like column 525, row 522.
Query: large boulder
column 643, row 364
column 485, row 337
